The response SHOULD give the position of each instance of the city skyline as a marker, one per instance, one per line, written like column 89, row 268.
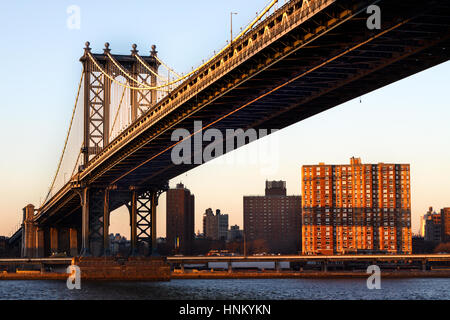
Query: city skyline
column 265, row 151
column 413, row 111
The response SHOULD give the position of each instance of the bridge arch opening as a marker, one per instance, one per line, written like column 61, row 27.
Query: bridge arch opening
column 119, row 232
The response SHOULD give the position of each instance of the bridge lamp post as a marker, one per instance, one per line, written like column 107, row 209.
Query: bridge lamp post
column 231, row 25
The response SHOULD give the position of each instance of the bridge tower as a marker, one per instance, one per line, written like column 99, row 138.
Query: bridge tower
column 99, row 76
column 100, row 73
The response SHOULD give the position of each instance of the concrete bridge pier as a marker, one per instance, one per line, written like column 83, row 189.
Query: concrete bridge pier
column 53, row 241
column 29, row 233
column 73, row 242
column 40, row 243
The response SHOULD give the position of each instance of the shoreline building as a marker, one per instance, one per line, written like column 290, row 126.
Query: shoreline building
column 235, row 234
column 118, row 244
column 435, row 226
column 445, row 221
column 274, row 218
column 180, row 211
column 215, row 226
column 432, row 226
column 356, row 208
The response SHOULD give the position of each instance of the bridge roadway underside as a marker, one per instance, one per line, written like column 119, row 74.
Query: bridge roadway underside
column 340, row 60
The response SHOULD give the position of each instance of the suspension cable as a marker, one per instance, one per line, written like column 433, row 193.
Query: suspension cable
column 146, row 87
column 78, row 159
column 117, row 113
column 67, row 137
column 167, row 67
column 122, row 70
column 146, row 66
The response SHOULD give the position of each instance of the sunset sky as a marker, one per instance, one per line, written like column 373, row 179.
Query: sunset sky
column 406, row 122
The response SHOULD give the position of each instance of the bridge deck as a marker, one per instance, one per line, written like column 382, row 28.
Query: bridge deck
column 300, row 62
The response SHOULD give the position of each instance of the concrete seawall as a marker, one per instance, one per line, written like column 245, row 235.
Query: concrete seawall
column 308, row 275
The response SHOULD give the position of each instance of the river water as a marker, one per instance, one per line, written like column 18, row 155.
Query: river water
column 230, row 289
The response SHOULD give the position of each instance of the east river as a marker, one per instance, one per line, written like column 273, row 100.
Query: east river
column 230, row 289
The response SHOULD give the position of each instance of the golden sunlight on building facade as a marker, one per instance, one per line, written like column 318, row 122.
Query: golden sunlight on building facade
column 356, row 208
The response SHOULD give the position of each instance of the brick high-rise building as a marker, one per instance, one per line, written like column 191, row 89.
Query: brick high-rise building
column 445, row 221
column 274, row 218
column 180, row 219
column 356, row 208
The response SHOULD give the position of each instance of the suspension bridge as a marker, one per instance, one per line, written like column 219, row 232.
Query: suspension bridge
column 292, row 62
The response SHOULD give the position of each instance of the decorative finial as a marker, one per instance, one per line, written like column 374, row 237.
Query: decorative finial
column 87, row 48
column 134, row 47
column 153, row 53
column 107, row 49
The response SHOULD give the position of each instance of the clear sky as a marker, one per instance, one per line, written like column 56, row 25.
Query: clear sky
column 407, row 122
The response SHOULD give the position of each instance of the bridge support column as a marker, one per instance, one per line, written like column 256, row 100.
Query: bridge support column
column 106, row 222
column 53, row 241
column 143, row 220
column 29, row 232
column 424, row 265
column 85, row 222
column 73, row 239
column 277, row 266
column 154, row 204
column 133, row 223
column 324, row 266
column 93, row 227
column 96, row 222
column 40, row 243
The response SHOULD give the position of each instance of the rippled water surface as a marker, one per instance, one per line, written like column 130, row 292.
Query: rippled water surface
column 273, row 289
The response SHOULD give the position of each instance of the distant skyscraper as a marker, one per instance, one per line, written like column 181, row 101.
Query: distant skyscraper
column 215, row 226
column 445, row 220
column 432, row 226
column 274, row 218
column 423, row 220
column 234, row 233
column 356, row 207
column 180, row 210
